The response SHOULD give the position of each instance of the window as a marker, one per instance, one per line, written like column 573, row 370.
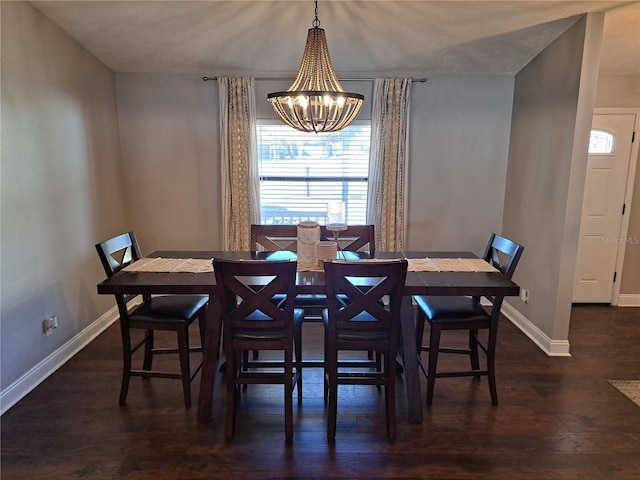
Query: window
column 300, row 173
column 600, row 142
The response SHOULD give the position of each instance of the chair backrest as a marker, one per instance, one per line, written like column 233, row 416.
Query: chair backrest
column 503, row 254
column 115, row 254
column 273, row 238
column 354, row 238
column 118, row 252
column 246, row 288
column 365, row 285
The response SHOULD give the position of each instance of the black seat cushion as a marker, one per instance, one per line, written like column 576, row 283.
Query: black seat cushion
column 355, row 334
column 169, row 308
column 450, row 308
column 309, row 300
column 267, row 333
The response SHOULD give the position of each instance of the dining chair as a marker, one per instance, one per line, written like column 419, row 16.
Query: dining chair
column 252, row 321
column 284, row 237
column 466, row 313
column 355, row 238
column 370, row 321
column 174, row 313
column 273, row 238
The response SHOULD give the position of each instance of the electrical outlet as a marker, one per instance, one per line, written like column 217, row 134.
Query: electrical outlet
column 49, row 324
column 524, row 295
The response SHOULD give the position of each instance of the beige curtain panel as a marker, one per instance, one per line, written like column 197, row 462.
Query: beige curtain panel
column 239, row 164
column 387, row 203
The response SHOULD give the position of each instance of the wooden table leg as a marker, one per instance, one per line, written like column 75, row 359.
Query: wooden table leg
column 210, row 357
column 410, row 361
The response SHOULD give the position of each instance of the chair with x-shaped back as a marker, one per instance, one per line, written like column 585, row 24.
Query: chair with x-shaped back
column 364, row 323
column 173, row 313
column 466, row 313
column 252, row 321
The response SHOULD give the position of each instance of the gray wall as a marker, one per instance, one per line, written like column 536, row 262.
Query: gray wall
column 458, row 156
column 169, row 131
column 61, row 186
column 553, row 105
column 458, row 161
column 618, row 91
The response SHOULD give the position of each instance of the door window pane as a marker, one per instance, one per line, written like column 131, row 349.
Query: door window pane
column 600, row 142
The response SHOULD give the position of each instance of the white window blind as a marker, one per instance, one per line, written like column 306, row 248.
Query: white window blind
column 301, row 172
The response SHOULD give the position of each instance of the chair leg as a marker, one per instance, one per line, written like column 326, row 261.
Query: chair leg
column 390, row 396
column 245, row 360
column 434, row 346
column 148, row 350
column 420, row 319
column 298, row 352
column 473, row 350
column 288, row 394
column 333, row 410
column 185, row 367
column 492, row 387
column 202, row 324
column 331, row 363
column 231, row 394
column 126, row 363
column 325, row 373
column 126, row 377
column 491, row 365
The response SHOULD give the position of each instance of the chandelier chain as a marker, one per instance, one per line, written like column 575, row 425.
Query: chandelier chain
column 316, row 22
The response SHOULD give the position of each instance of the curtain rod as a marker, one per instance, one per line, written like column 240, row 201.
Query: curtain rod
column 418, row 80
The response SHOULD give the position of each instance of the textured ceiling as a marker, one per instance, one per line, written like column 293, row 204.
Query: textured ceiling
column 266, row 38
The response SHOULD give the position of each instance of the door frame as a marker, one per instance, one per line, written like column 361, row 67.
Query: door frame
column 628, row 193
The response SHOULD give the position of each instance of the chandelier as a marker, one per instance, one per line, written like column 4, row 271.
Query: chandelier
column 316, row 102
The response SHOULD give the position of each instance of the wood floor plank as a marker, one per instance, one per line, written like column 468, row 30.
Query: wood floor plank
column 558, row 418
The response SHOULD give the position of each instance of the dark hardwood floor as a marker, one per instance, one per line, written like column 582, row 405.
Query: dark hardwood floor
column 558, row 418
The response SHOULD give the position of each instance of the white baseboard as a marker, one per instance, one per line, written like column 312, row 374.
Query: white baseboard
column 27, row 382
column 553, row 348
column 629, row 300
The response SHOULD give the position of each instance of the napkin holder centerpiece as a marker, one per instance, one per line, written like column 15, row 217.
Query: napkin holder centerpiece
column 308, row 236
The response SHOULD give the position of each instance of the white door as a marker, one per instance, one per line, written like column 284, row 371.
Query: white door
column 602, row 208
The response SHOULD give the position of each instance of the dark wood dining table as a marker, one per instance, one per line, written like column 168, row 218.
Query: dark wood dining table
column 310, row 282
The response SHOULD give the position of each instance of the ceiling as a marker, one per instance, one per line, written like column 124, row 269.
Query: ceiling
column 266, row 38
